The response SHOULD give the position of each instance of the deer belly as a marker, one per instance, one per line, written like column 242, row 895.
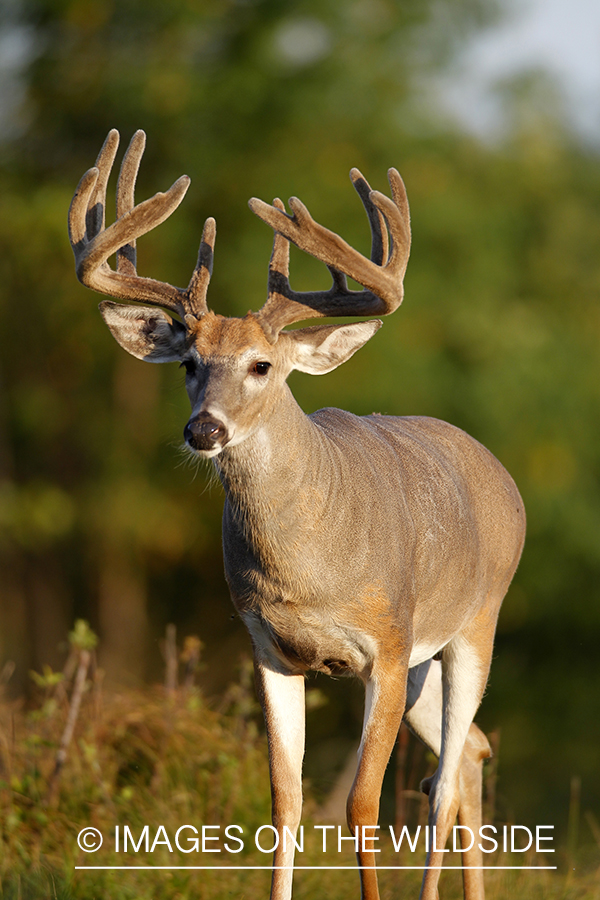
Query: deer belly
column 424, row 650
column 298, row 644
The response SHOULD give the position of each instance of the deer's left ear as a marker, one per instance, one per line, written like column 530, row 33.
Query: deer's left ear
column 322, row 348
column 147, row 333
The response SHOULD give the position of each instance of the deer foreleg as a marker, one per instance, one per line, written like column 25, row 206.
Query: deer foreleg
column 384, row 706
column 282, row 701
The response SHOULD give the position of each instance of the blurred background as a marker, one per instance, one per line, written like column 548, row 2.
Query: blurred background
column 491, row 111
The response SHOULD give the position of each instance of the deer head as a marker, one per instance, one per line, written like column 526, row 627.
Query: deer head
column 235, row 367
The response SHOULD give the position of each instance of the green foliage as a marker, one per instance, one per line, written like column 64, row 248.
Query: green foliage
column 82, row 637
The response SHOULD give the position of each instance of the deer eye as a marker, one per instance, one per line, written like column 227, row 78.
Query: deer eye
column 260, row 368
column 188, row 365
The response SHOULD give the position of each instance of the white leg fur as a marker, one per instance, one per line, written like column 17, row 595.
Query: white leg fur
column 283, row 702
column 424, row 717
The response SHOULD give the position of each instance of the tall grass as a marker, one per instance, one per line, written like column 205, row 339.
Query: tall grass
column 81, row 756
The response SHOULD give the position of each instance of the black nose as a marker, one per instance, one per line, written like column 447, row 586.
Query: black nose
column 203, row 432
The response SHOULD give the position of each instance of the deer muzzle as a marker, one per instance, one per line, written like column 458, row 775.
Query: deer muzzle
column 204, row 432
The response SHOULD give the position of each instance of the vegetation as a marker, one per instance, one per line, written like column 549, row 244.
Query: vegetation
column 499, row 334
column 156, row 765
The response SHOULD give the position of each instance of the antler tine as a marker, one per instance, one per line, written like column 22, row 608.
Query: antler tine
column 379, row 233
column 397, row 220
column 93, row 244
column 126, row 255
column 96, row 212
column 195, row 303
column 275, row 313
column 380, row 276
column 279, row 265
column 87, row 209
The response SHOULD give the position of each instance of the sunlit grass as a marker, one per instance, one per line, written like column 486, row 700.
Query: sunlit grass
column 164, row 757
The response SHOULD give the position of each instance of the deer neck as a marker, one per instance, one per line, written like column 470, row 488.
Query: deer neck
column 265, row 474
column 280, row 485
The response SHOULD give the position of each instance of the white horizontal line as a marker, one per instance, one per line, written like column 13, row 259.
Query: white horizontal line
column 330, row 868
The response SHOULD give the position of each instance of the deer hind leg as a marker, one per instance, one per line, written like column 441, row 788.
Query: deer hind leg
column 282, row 699
column 384, row 706
column 477, row 748
column 424, row 717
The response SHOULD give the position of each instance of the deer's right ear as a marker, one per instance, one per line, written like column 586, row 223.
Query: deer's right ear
column 147, row 333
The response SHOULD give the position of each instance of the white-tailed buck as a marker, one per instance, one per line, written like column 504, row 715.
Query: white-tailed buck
column 376, row 546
